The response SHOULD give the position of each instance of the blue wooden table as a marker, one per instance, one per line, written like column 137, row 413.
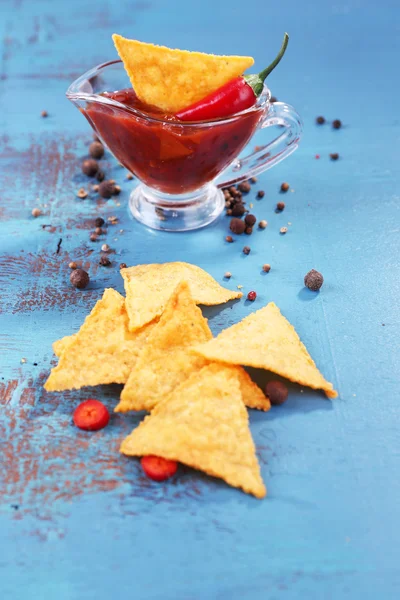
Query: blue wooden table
column 77, row 520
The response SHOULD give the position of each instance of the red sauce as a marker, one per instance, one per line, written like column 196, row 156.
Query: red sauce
column 171, row 157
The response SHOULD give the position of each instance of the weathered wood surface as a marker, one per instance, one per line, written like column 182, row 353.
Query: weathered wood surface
column 77, row 520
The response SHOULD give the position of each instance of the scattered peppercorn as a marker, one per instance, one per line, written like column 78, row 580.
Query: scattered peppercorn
column 79, row 278
column 253, row 179
column 260, row 194
column 262, row 224
column 234, row 191
column 106, row 189
column 237, row 225
column 104, row 261
column 105, row 248
column 99, row 231
column 129, row 176
column 244, row 187
column 277, row 392
column 285, row 187
column 266, row 268
column 251, row 296
column 100, row 175
column 93, row 237
column 90, row 167
column 73, row 265
column 82, row 193
column 280, row 206
column 246, row 250
column 238, row 210
column 283, row 230
column 229, row 239
column 227, row 275
column 36, row 212
column 313, row 280
column 320, row 120
column 96, row 150
column 122, row 266
column 117, row 190
column 248, row 230
column 44, row 114
column 336, row 124
column 99, row 222
column 334, row 156
column 250, row 220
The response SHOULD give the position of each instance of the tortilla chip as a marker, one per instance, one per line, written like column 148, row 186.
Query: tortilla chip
column 60, row 345
column 174, row 79
column 165, row 361
column 149, row 287
column 103, row 350
column 265, row 339
column 203, row 424
column 252, row 395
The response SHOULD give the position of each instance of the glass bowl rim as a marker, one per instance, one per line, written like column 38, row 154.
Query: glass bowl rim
column 73, row 93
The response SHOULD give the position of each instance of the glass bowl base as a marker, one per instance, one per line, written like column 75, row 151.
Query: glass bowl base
column 183, row 212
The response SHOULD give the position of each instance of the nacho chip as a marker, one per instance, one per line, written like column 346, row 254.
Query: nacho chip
column 165, row 360
column 203, row 424
column 103, row 350
column 60, row 345
column 265, row 339
column 149, row 287
column 174, row 79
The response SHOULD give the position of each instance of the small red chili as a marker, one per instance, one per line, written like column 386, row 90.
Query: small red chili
column 158, row 468
column 251, row 296
column 233, row 97
column 91, row 415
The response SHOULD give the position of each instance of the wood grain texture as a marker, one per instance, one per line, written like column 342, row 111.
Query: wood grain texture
column 77, row 520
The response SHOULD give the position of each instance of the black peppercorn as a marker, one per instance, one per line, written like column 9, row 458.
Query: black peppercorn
column 336, row 124
column 100, row 175
column 280, row 206
column 104, row 261
column 260, row 194
column 79, row 278
column 122, row 266
column 244, row 187
column 106, row 189
column 320, row 120
column 90, row 167
column 334, row 156
column 250, row 220
column 237, row 226
column 229, row 239
column 99, row 222
column 96, row 150
column 284, row 187
column 277, row 392
column 313, row 280
column 238, row 209
column 246, row 250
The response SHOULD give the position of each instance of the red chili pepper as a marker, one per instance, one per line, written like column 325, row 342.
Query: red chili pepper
column 158, row 468
column 91, row 415
column 233, row 97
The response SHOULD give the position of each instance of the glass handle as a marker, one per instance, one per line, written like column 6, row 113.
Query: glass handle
column 266, row 156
